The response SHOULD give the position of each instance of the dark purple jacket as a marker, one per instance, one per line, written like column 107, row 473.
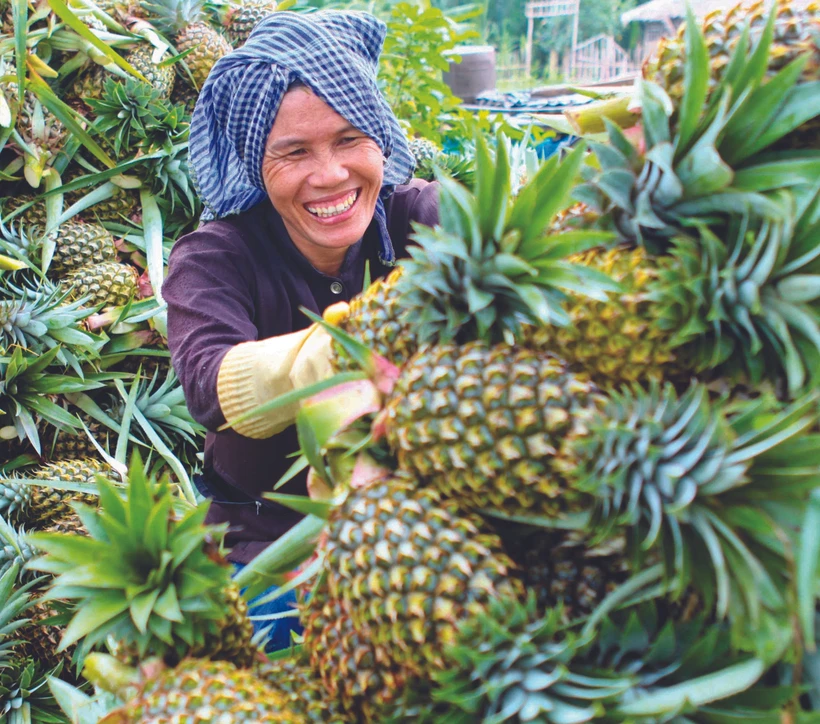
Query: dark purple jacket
column 241, row 279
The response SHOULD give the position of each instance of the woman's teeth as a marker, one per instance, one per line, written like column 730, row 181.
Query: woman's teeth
column 326, row 212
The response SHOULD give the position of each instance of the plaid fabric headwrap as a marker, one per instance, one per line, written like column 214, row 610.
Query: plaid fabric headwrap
column 336, row 55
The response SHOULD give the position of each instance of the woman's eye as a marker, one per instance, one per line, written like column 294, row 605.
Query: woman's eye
column 297, row 152
column 348, row 139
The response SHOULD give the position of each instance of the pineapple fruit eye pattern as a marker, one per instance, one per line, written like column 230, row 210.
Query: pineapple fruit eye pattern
column 568, row 471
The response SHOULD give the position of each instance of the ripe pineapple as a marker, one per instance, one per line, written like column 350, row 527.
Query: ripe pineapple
column 122, row 205
column 107, row 284
column 145, row 58
column 316, row 697
column 407, row 565
column 172, row 562
column 195, row 691
column 185, row 20
column 482, row 424
column 79, row 244
column 65, row 445
column 716, row 305
column 241, row 18
column 38, row 505
column 39, row 638
column 377, row 319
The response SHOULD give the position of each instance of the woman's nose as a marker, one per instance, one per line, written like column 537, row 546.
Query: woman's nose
column 329, row 170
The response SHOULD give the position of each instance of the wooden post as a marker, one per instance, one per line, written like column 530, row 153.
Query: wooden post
column 530, row 23
column 575, row 19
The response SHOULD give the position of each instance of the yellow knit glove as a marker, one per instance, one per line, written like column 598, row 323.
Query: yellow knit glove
column 254, row 373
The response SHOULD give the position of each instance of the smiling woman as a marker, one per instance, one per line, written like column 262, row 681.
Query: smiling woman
column 305, row 176
column 323, row 176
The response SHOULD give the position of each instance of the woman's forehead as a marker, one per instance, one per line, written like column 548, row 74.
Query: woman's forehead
column 302, row 115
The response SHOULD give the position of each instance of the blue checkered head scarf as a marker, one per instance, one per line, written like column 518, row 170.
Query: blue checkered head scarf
column 333, row 53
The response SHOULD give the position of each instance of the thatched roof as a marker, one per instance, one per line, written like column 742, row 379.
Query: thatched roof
column 661, row 10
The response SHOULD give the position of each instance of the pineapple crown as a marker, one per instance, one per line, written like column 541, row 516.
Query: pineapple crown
column 148, row 578
column 704, row 157
column 134, row 117
column 669, row 469
column 743, row 303
column 510, row 663
column 26, row 383
column 489, row 266
column 173, row 16
column 39, row 318
column 675, row 664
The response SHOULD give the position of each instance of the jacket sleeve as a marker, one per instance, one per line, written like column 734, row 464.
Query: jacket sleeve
column 210, row 310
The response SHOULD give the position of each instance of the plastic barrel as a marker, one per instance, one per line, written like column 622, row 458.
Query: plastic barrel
column 474, row 74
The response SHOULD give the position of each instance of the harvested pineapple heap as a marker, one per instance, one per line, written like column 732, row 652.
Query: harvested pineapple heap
column 568, row 471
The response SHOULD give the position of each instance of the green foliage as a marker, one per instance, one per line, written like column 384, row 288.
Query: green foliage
column 413, row 62
column 133, row 116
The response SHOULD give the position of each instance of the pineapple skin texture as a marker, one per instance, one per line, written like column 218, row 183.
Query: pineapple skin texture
column 482, row 424
column 209, row 46
column 375, row 318
column 109, row 284
column 81, row 244
column 160, row 78
column 408, row 565
column 619, row 340
column 245, row 17
column 46, row 504
column 196, row 692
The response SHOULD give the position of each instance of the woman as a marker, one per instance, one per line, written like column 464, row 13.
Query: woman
column 301, row 167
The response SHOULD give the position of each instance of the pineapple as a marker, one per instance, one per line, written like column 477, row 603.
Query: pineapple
column 171, row 562
column 407, row 565
column 185, row 20
column 241, row 16
column 359, row 679
column 430, row 157
column 39, row 638
column 308, row 695
column 67, row 445
column 78, row 244
column 376, row 319
column 15, row 550
column 30, row 223
column 195, row 691
column 39, row 505
column 711, row 306
column 145, row 58
column 107, row 284
column 41, row 131
column 795, row 33
column 38, row 317
column 482, row 424
column 122, row 205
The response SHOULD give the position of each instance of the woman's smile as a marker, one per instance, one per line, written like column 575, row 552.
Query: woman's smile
column 335, row 209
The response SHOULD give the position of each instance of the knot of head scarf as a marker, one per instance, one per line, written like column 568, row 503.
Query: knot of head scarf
column 333, row 53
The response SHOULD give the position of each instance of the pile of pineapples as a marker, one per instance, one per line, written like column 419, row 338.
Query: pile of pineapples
column 568, row 470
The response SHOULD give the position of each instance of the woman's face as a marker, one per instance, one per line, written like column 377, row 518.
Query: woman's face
column 322, row 175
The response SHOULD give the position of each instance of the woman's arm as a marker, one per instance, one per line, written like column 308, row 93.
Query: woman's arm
column 210, row 311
